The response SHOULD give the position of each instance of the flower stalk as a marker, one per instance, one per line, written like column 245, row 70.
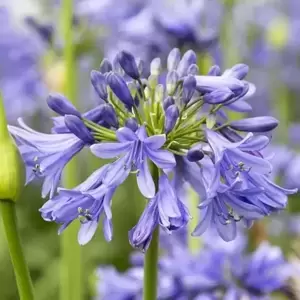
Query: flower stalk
column 71, row 268
column 9, row 219
column 151, row 257
column 11, row 184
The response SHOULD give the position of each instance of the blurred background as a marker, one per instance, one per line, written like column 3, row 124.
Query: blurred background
column 261, row 33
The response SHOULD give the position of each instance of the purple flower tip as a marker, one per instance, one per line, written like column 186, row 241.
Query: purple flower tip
column 120, row 88
column 132, row 124
column 189, row 86
column 168, row 102
column 128, row 64
column 218, row 96
column 77, row 127
column 99, row 84
column 172, row 114
column 105, row 66
column 195, row 154
column 256, row 124
column 61, row 105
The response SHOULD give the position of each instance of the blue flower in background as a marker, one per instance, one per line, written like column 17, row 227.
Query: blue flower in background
column 215, row 272
column 20, row 77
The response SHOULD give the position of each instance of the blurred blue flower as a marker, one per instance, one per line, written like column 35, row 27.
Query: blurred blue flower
column 213, row 273
column 20, row 75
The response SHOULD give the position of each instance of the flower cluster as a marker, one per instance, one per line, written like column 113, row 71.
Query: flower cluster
column 168, row 131
column 20, row 79
column 210, row 274
column 153, row 28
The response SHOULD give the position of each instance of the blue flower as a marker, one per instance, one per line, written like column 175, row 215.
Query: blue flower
column 86, row 202
column 165, row 209
column 136, row 149
column 45, row 155
column 20, row 77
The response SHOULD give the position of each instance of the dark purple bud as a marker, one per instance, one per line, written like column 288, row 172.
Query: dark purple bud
column 168, row 102
column 77, row 127
column 61, row 105
column 108, row 114
column 120, row 89
column 132, row 124
column 105, row 66
column 172, row 114
column 99, row 84
column 93, row 114
column 171, row 81
column 214, row 71
column 193, row 70
column 128, row 64
column 189, row 58
column 238, row 71
column 188, row 88
column 173, row 59
column 218, row 96
column 195, row 154
column 256, row 124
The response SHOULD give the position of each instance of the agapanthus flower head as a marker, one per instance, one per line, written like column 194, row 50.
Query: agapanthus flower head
column 20, row 77
column 168, row 138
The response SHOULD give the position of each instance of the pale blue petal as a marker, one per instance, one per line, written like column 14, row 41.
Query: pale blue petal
column 162, row 158
column 155, row 142
column 86, row 232
column 125, row 134
column 145, row 180
column 110, row 150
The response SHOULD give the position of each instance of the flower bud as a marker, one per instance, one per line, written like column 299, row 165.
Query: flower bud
column 60, row 104
column 11, row 171
column 132, row 124
column 128, row 64
column 77, row 127
column 195, row 154
column 108, row 114
column 99, row 84
column 189, row 85
column 172, row 114
column 238, row 71
column 159, row 93
column 168, row 102
column 171, row 81
column 105, row 66
column 256, row 124
column 214, row 71
column 218, row 96
column 189, row 58
column 120, row 88
column 173, row 59
column 193, row 70
column 155, row 66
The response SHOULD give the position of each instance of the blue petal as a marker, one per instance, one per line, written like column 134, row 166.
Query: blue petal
column 155, row 142
column 162, row 158
column 125, row 134
column 110, row 150
column 206, row 219
column 145, row 180
column 86, row 232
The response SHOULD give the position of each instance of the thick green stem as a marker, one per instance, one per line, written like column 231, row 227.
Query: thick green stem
column 71, row 281
column 9, row 219
column 150, row 268
column 151, row 258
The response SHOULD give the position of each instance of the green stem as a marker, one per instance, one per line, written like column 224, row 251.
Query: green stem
column 9, row 219
column 71, row 281
column 150, row 268
column 151, row 258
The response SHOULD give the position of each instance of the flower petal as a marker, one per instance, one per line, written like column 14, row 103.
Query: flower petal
column 86, row 232
column 145, row 180
column 110, row 150
column 155, row 142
